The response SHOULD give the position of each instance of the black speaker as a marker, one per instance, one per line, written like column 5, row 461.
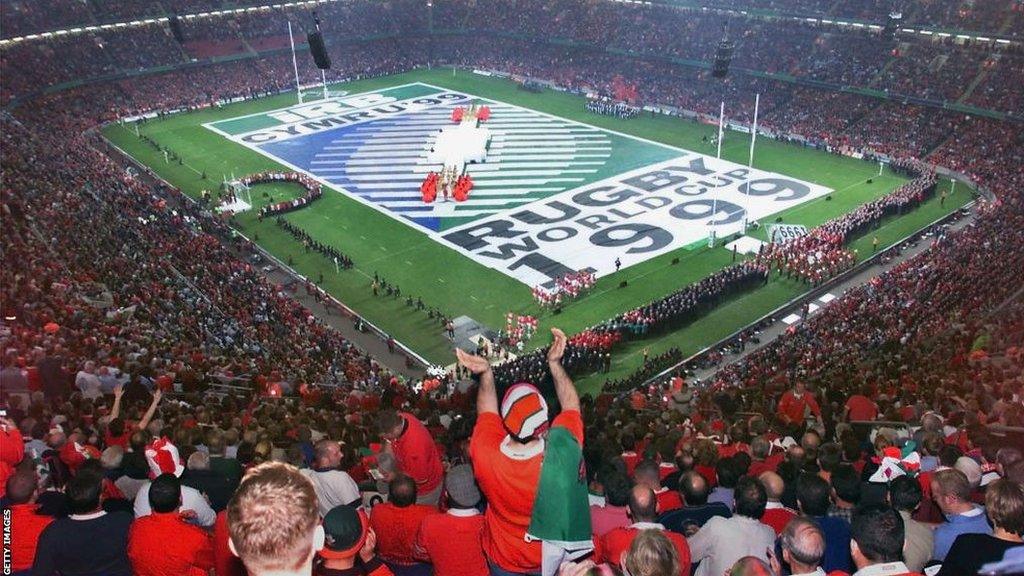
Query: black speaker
column 623, row 284
column 723, row 57
column 319, row 51
column 675, row 260
column 175, row 25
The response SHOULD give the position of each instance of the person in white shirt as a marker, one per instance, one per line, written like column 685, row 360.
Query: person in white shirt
column 88, row 383
column 194, row 507
column 721, row 542
column 163, row 458
column 333, row 487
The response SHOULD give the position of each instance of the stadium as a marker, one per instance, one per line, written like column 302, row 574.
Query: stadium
column 512, row 287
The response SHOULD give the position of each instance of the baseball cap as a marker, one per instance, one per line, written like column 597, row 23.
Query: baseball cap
column 524, row 411
column 461, row 486
column 345, row 530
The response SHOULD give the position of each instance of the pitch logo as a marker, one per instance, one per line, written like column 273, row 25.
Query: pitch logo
column 551, row 195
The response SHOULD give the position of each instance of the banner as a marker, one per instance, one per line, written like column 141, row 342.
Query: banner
column 782, row 232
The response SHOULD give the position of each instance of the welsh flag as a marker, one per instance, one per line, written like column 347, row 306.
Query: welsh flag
column 561, row 512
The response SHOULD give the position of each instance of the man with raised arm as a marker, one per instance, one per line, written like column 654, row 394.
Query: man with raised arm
column 119, row 431
column 531, row 470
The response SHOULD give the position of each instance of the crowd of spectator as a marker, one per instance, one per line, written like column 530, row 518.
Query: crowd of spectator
column 933, row 67
column 23, row 17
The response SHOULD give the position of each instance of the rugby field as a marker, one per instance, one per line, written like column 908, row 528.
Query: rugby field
column 561, row 189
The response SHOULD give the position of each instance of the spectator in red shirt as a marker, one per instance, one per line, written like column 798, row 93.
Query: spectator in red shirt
column 647, row 474
column 776, row 514
column 119, row 432
column 396, row 523
column 225, row 563
column 26, row 522
column 860, row 407
column 452, row 541
column 163, row 543
column 795, row 403
column 348, row 536
column 12, row 450
column 643, row 510
column 415, row 452
column 508, row 451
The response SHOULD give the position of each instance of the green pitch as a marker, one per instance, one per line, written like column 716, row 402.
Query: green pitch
column 400, row 249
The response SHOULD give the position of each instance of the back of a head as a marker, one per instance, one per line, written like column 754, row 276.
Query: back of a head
column 387, row 421
column 773, row 484
column 811, row 441
column 949, row 454
column 116, row 427
column 812, row 493
column 932, row 443
column 1004, row 502
column 324, row 451
column 83, row 493
column 804, row 541
column 402, row 491
column 751, row 498
column 830, row 455
column 750, row 566
column 846, row 482
column 878, row 532
column 931, row 422
column 694, row 489
column 215, row 444
column 954, row 483
column 272, row 518
column 652, row 554
column 112, row 457
column 905, row 494
column 971, row 469
column 616, row 487
column 1009, row 455
column 760, row 447
column 647, row 471
column 643, row 504
column 1015, row 472
column 727, row 473
column 199, row 460
column 21, row 486
column 165, row 493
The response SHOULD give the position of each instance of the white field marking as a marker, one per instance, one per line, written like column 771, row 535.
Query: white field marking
column 510, row 182
column 495, row 105
column 389, row 146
